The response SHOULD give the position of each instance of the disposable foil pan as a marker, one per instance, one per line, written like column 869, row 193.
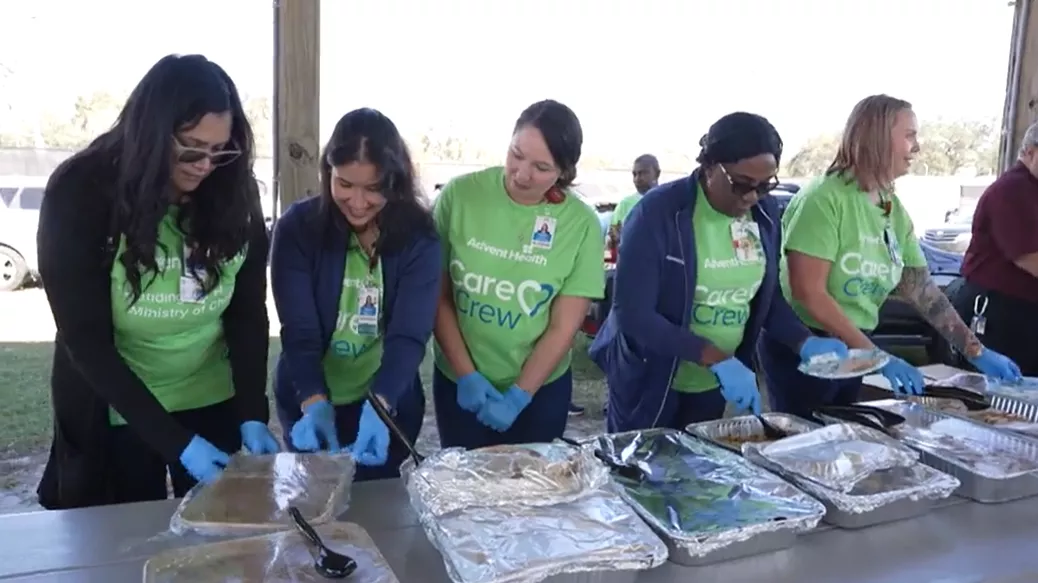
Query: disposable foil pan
column 731, row 433
column 708, row 504
column 891, row 495
column 527, row 544
column 281, row 557
column 254, row 492
column 1005, row 413
column 992, row 465
column 538, row 474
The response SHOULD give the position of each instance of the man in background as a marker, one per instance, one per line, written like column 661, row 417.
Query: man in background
column 999, row 294
column 646, row 175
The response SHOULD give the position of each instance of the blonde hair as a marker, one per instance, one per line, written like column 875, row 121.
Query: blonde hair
column 865, row 150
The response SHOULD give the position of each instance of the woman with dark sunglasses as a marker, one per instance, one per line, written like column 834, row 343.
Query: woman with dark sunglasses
column 696, row 283
column 153, row 257
column 849, row 244
column 356, row 279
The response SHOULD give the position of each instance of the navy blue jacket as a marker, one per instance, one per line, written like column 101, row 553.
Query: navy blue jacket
column 307, row 265
column 647, row 332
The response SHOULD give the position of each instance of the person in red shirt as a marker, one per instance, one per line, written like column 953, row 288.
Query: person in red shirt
column 999, row 293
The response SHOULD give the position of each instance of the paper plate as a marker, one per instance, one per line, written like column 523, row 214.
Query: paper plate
column 857, row 363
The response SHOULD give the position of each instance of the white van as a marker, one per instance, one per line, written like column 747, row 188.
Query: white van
column 20, row 200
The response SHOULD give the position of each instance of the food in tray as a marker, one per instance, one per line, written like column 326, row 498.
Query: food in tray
column 258, row 491
column 953, row 406
column 736, row 441
column 974, row 447
column 509, row 463
column 996, row 417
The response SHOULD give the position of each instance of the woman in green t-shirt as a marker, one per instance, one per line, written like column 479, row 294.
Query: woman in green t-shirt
column 849, row 244
column 356, row 277
column 153, row 250
column 522, row 258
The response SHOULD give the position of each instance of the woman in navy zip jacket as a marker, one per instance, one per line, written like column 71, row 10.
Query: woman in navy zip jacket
column 696, row 284
column 356, row 277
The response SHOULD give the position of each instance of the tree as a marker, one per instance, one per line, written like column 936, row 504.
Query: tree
column 814, row 157
column 946, row 147
column 92, row 115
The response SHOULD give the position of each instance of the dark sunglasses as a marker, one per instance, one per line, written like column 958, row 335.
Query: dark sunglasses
column 191, row 155
column 740, row 188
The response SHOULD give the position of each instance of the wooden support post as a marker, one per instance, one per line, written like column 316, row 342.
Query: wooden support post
column 297, row 92
column 1021, row 109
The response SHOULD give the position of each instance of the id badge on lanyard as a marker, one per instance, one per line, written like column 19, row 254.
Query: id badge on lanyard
column 191, row 290
column 746, row 240
column 889, row 236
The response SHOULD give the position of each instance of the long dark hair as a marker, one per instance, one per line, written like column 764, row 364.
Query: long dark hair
column 366, row 135
column 173, row 96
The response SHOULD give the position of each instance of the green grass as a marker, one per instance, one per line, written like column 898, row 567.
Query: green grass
column 25, row 420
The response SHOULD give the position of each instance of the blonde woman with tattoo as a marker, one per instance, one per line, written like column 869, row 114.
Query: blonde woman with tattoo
column 848, row 245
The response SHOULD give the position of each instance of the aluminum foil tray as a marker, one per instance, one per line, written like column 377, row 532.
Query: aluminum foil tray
column 254, row 492
column 274, row 558
column 539, row 474
column 992, row 465
column 708, row 503
column 733, row 432
column 838, row 456
column 1005, row 413
column 527, row 544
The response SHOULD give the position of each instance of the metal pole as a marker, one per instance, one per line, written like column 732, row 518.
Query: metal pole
column 1021, row 16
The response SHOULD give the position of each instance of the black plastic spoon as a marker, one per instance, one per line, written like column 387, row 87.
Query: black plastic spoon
column 328, row 563
column 383, row 414
column 770, row 431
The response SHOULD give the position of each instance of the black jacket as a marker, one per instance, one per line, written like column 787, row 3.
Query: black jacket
column 76, row 244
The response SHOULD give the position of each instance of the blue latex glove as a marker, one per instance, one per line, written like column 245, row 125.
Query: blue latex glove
column 317, row 427
column 474, row 390
column 738, row 384
column 904, row 378
column 499, row 414
column 372, row 445
column 996, row 365
column 818, row 345
column 203, row 460
column 257, row 439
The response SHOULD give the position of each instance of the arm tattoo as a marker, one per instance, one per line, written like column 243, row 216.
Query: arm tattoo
column 917, row 288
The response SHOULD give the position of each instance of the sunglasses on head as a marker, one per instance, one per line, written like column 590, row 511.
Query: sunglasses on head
column 740, row 188
column 191, row 155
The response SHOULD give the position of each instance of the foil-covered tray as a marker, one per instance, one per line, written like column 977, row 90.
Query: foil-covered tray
column 838, row 456
column 733, row 432
column 992, row 465
column 882, row 496
column 1005, row 413
column 708, row 503
column 281, row 557
column 539, row 474
column 254, row 492
column 524, row 543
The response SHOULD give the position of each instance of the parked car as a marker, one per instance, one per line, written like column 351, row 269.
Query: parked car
column 955, row 234
column 20, row 200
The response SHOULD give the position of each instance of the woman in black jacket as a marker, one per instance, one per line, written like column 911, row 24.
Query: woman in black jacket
column 152, row 251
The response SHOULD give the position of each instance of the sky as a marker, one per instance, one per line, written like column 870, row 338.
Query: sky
column 642, row 75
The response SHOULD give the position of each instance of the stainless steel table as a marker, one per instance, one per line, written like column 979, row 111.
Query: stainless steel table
column 960, row 543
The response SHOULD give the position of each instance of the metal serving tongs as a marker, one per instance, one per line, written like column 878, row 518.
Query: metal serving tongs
column 872, row 417
column 972, row 400
column 383, row 414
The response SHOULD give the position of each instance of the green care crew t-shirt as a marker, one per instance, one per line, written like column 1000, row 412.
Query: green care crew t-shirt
column 832, row 219
column 172, row 337
column 623, row 208
column 726, row 282
column 355, row 352
column 507, row 263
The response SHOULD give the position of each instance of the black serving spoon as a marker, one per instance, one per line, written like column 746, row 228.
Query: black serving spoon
column 328, row 563
column 872, row 417
column 770, row 431
column 627, row 471
column 383, row 414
